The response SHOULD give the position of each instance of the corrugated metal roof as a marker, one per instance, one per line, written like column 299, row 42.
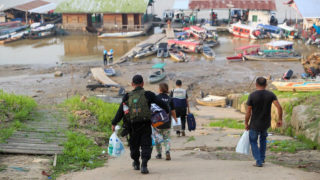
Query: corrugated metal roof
column 31, row 5
column 7, row 4
column 239, row 4
column 308, row 9
column 44, row 9
column 103, row 6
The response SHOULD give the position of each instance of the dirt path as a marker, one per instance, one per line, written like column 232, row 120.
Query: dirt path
column 209, row 154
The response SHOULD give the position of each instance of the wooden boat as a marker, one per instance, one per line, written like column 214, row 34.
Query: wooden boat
column 244, row 51
column 272, row 57
column 245, row 31
column 146, row 52
column 14, row 37
column 289, row 32
column 177, row 55
column 42, row 31
column 208, row 52
column 187, row 46
column 198, row 32
column 211, row 43
column 121, row 34
column 302, row 86
column 110, row 71
column 163, row 50
column 100, row 75
column 158, row 75
column 216, row 101
column 274, row 31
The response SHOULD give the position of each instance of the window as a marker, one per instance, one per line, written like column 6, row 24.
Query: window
column 254, row 18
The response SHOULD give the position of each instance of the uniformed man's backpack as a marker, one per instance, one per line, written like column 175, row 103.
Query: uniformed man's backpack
column 139, row 110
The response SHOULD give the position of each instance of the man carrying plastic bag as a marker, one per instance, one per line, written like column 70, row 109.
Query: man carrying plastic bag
column 115, row 147
column 259, row 113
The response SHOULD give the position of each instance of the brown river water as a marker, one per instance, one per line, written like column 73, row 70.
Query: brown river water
column 85, row 48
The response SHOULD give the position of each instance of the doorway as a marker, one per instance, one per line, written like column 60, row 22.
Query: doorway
column 124, row 21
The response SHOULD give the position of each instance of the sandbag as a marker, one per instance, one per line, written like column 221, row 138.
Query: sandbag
column 243, row 146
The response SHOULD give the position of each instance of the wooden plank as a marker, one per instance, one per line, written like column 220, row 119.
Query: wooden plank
column 100, row 76
column 35, row 141
column 27, row 145
column 6, row 148
column 26, row 151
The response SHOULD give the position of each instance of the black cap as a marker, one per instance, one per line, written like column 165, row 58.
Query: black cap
column 137, row 79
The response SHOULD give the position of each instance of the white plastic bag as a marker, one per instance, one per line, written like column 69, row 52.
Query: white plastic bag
column 157, row 138
column 176, row 125
column 115, row 147
column 243, row 146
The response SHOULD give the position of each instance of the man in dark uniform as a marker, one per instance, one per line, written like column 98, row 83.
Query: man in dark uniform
column 135, row 107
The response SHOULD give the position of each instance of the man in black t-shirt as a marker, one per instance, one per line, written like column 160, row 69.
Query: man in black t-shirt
column 259, row 110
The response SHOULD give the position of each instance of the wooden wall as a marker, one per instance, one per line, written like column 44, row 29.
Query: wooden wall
column 113, row 22
column 74, row 21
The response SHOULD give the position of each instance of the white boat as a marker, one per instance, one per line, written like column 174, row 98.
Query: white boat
column 289, row 32
column 245, row 31
column 121, row 34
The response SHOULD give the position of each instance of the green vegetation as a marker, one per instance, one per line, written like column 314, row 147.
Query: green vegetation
column 102, row 111
column 192, row 138
column 14, row 109
column 292, row 146
column 79, row 152
column 3, row 168
column 228, row 123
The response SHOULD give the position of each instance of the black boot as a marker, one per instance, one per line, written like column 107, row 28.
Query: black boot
column 144, row 167
column 136, row 165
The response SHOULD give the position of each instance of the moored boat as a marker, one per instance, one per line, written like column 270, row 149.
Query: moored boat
column 289, row 32
column 186, row 46
column 146, row 52
column 210, row 100
column 110, row 71
column 244, row 50
column 198, row 32
column 157, row 76
column 273, row 31
column 39, row 31
column 163, row 50
column 302, row 86
column 177, row 55
column 121, row 34
column 245, row 31
column 208, row 52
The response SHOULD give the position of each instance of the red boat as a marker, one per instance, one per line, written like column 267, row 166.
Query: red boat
column 197, row 32
column 241, row 51
column 186, row 46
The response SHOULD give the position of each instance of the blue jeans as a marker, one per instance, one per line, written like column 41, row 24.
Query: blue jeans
column 259, row 153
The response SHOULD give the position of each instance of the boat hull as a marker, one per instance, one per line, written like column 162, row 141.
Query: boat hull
column 158, row 78
column 261, row 58
column 297, row 86
column 121, row 35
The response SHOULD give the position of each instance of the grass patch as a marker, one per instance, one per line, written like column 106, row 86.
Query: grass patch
column 291, row 146
column 79, row 153
column 192, row 138
column 104, row 112
column 244, row 98
column 228, row 123
column 3, row 168
column 14, row 109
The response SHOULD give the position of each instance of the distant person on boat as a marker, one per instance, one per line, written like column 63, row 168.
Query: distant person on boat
column 181, row 104
column 105, row 60
column 164, row 129
column 259, row 114
column 135, row 108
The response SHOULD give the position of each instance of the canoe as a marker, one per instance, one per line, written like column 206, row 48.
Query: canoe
column 14, row 37
column 110, row 71
column 235, row 58
column 121, row 34
column 208, row 52
column 146, row 52
column 163, row 50
column 216, row 101
column 157, row 77
column 211, row 43
column 44, row 31
column 177, row 55
column 272, row 58
column 302, row 86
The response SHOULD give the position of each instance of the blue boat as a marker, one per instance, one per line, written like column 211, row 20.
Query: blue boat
column 274, row 31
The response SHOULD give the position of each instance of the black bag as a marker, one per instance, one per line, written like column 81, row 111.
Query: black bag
column 287, row 75
column 191, row 122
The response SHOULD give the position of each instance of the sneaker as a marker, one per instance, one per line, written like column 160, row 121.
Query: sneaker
column 144, row 170
column 168, row 158
column 178, row 134
column 136, row 165
column 158, row 156
column 258, row 165
column 183, row 133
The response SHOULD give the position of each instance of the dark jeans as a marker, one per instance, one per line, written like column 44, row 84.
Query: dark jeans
column 182, row 113
column 140, row 136
column 259, row 153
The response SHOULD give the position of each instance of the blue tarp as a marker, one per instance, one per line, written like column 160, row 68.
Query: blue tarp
column 317, row 28
column 308, row 8
column 269, row 27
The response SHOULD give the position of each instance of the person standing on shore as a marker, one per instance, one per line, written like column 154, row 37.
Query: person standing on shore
column 181, row 104
column 105, row 60
column 135, row 107
column 164, row 129
column 259, row 113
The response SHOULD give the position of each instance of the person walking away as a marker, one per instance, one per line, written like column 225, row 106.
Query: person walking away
column 135, row 108
column 181, row 104
column 164, row 129
column 105, row 60
column 259, row 114
column 110, row 56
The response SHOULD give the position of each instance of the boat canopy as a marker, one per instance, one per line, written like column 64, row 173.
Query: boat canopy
column 248, row 47
column 269, row 27
column 158, row 66
column 276, row 51
column 186, row 43
column 280, row 43
column 286, row 28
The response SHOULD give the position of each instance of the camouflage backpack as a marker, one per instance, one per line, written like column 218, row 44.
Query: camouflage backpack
column 139, row 110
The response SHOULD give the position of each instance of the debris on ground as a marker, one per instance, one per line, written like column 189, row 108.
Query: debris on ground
column 58, row 74
column 311, row 64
